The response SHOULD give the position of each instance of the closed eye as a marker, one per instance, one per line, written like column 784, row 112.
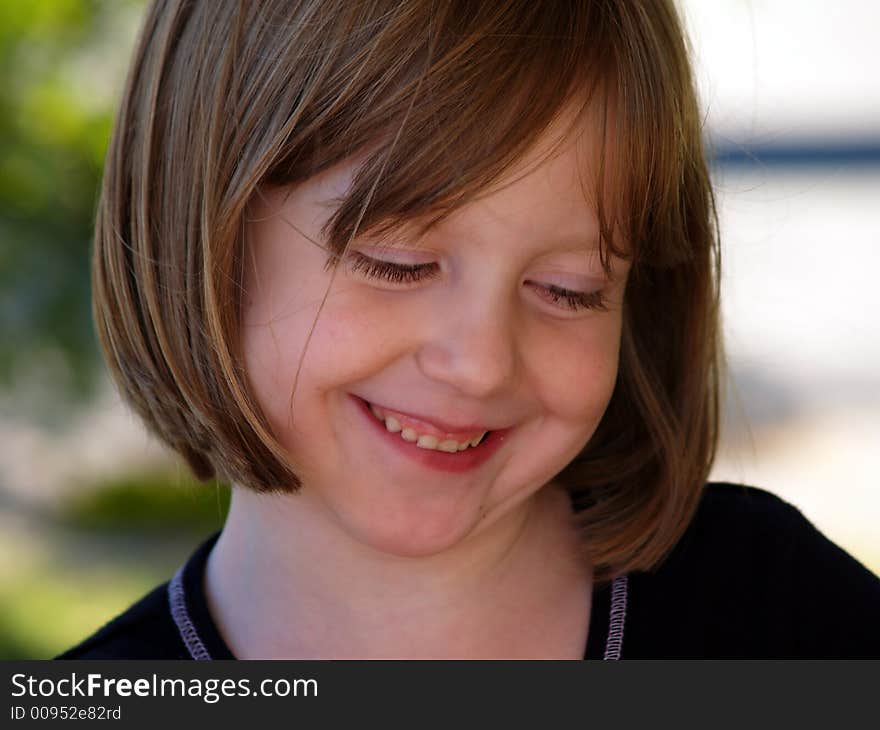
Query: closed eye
column 396, row 273
column 573, row 300
column 410, row 273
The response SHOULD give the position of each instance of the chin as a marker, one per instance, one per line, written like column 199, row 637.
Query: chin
column 412, row 533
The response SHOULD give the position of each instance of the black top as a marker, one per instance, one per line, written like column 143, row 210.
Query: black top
column 750, row 578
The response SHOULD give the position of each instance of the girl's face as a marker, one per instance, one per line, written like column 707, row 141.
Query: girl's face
column 485, row 340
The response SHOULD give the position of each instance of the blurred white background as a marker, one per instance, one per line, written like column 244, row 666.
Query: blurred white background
column 795, row 84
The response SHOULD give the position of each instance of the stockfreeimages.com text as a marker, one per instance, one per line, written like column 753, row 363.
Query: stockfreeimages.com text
column 210, row 690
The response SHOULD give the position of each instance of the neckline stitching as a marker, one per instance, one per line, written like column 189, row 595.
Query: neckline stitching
column 196, row 648
column 185, row 627
column 617, row 619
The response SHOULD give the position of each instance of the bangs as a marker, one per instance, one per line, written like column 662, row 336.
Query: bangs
column 458, row 96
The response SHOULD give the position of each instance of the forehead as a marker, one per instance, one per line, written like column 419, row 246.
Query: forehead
column 552, row 186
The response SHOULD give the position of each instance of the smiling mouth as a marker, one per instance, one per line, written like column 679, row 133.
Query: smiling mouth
column 396, row 423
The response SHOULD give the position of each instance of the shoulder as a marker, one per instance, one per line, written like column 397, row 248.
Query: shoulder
column 750, row 526
column 740, row 533
column 145, row 630
column 752, row 577
column 726, row 501
column 756, row 517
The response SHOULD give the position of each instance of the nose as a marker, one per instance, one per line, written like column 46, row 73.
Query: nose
column 473, row 347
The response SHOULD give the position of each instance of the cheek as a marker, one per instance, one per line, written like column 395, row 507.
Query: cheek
column 275, row 333
column 334, row 351
column 578, row 371
column 271, row 352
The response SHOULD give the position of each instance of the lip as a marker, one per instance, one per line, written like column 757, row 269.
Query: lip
column 449, row 428
column 460, row 461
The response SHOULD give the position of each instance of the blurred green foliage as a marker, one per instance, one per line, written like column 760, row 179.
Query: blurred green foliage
column 62, row 63
column 148, row 502
column 46, row 608
column 65, row 573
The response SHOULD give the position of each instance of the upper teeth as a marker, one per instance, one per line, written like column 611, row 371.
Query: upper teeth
column 425, row 441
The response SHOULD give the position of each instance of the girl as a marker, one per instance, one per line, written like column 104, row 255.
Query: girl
column 435, row 287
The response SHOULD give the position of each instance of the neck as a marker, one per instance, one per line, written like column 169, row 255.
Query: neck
column 321, row 594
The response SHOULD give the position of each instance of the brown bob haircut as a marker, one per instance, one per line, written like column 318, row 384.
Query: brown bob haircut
column 223, row 97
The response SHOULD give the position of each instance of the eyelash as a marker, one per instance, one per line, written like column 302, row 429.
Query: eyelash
column 396, row 273
column 409, row 273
